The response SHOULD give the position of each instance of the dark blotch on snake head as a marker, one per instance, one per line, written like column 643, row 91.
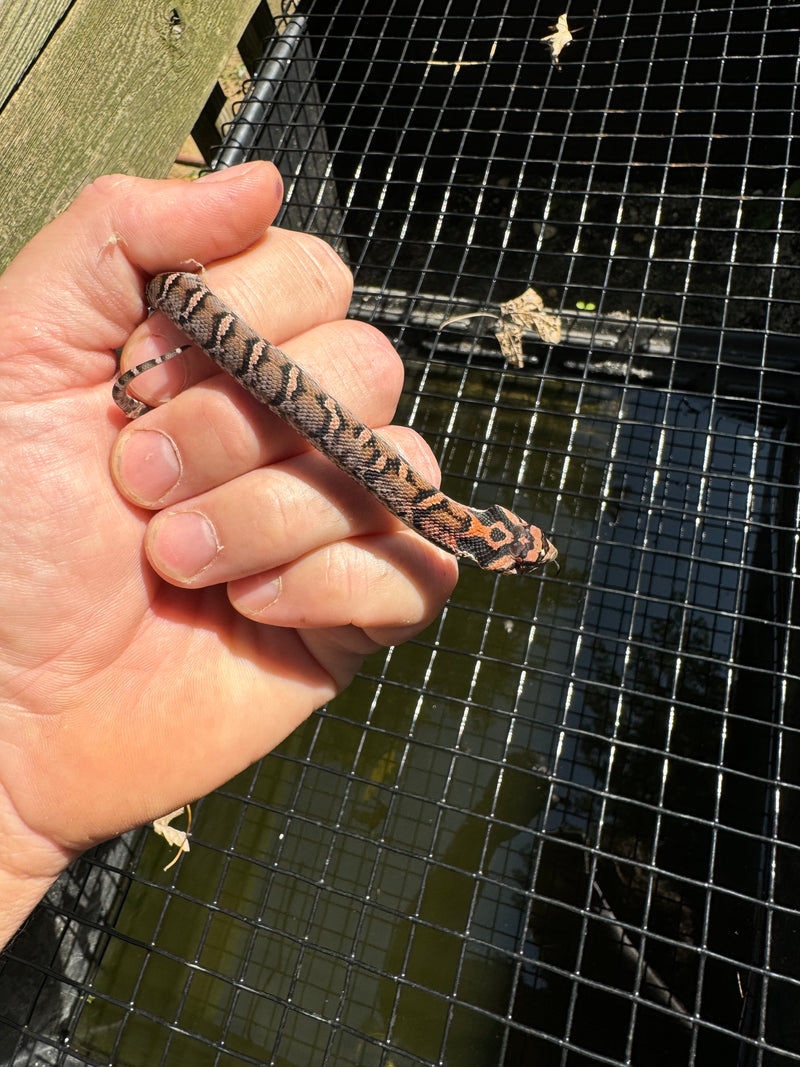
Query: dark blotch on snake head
column 518, row 547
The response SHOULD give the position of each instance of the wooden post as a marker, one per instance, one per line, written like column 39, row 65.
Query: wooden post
column 99, row 86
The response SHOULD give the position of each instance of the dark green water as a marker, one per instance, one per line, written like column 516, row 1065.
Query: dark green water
column 402, row 882
column 385, row 831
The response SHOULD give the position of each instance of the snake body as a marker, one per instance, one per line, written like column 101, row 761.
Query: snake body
column 495, row 539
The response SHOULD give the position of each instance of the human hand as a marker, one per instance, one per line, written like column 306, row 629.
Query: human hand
column 131, row 679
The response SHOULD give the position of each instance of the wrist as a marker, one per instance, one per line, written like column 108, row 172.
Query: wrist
column 20, row 895
column 28, row 867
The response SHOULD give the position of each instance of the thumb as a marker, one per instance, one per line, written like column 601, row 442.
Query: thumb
column 74, row 293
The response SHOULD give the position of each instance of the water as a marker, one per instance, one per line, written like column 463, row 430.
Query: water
column 420, row 868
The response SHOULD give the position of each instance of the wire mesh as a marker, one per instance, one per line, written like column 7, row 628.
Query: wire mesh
column 561, row 826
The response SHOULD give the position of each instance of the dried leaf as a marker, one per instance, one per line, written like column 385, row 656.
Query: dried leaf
column 559, row 40
column 525, row 311
column 172, row 835
column 510, row 338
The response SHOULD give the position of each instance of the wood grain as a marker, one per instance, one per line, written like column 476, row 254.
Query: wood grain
column 110, row 85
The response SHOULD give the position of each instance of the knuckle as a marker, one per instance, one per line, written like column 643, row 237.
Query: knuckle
column 416, row 450
column 371, row 363
column 339, row 573
column 319, row 262
column 105, row 191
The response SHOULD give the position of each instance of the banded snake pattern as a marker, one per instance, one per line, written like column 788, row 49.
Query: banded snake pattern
column 494, row 538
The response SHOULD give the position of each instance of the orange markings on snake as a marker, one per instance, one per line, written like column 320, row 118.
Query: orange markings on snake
column 495, row 539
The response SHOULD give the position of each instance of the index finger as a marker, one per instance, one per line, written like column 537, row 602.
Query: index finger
column 283, row 285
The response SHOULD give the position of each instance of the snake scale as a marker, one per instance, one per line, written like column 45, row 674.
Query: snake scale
column 495, row 539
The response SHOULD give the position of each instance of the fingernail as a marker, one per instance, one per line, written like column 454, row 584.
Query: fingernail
column 260, row 596
column 228, row 173
column 147, row 465
column 182, row 544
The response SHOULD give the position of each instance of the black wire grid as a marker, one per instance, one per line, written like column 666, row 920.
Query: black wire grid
column 562, row 826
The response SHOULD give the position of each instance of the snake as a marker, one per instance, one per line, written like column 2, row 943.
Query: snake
column 495, row 539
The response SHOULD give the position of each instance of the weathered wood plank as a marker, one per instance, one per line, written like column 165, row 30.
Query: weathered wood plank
column 116, row 88
column 25, row 25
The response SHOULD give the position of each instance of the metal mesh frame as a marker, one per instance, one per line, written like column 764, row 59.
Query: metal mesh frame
column 560, row 827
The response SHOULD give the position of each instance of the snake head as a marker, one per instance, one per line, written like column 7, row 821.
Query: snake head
column 517, row 547
column 542, row 553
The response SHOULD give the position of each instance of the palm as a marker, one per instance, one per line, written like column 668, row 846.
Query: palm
column 133, row 674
